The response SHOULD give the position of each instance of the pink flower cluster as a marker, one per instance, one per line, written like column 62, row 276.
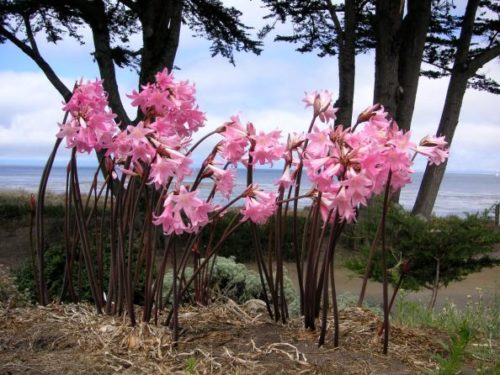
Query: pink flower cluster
column 259, row 206
column 183, row 212
column 265, row 148
column 347, row 167
column 91, row 125
column 172, row 104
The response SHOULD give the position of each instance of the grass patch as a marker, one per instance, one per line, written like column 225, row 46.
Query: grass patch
column 16, row 205
column 474, row 331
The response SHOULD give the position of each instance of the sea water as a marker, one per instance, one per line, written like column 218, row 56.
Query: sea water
column 459, row 193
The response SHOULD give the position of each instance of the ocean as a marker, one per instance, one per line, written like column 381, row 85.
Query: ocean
column 460, row 193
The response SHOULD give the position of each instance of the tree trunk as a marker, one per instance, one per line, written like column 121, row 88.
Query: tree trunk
column 387, row 24
column 161, row 22
column 435, row 287
column 461, row 72
column 347, row 69
column 414, row 32
column 95, row 15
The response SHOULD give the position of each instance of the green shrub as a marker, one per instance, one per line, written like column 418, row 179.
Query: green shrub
column 10, row 294
column 55, row 259
column 240, row 244
column 16, row 205
column 234, row 280
column 54, row 268
column 460, row 245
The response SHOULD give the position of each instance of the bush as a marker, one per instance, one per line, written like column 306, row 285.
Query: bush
column 240, row 244
column 459, row 246
column 235, row 281
column 16, row 205
column 10, row 294
column 55, row 260
column 54, row 269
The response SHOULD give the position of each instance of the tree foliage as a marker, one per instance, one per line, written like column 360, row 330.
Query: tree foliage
column 443, row 39
column 116, row 28
column 315, row 24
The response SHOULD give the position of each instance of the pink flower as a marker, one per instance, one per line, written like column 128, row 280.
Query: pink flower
column 183, row 212
column 161, row 170
column 434, row 148
column 236, row 140
column 183, row 166
column 138, row 133
column 91, row 126
column 322, row 172
column 142, row 152
column 164, row 79
column 224, row 180
column 259, row 207
column 172, row 104
column 343, row 206
column 319, row 142
column 321, row 101
column 358, row 187
column 285, row 180
column 267, row 147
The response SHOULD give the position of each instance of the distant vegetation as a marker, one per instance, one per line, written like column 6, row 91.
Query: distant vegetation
column 425, row 253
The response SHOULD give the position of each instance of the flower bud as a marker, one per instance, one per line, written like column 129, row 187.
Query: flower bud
column 368, row 113
column 317, row 105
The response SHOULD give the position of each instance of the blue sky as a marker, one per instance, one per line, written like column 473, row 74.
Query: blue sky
column 265, row 89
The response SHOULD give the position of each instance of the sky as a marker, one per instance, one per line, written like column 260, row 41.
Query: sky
column 266, row 90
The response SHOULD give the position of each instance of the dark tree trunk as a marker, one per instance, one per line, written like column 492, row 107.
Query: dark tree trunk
column 95, row 15
column 347, row 70
column 433, row 175
column 400, row 46
column 161, row 22
column 461, row 72
column 413, row 35
column 388, row 20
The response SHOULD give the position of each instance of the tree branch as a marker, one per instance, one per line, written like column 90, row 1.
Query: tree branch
column 95, row 16
column 483, row 58
column 40, row 61
column 29, row 34
column 338, row 27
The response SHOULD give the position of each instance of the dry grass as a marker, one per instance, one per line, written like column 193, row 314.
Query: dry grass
column 223, row 338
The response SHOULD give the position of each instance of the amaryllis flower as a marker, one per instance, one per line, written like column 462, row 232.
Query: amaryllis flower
column 259, row 207
column 286, row 179
column 267, row 147
column 161, row 170
column 319, row 142
column 434, row 148
column 235, row 140
column 321, row 101
column 91, row 125
column 138, row 133
column 358, row 187
column 224, row 179
column 342, row 205
column 171, row 105
column 183, row 212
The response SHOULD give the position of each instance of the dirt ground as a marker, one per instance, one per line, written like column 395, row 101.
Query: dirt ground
column 221, row 339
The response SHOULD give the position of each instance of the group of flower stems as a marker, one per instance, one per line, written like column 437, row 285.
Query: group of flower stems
column 141, row 219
